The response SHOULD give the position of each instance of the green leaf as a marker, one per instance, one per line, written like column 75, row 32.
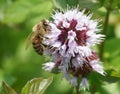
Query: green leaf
column 111, row 76
column 114, row 73
column 6, row 89
column 89, row 4
column 36, row 86
column 112, row 43
column 62, row 4
column 111, row 4
column 17, row 12
column 38, row 12
column 20, row 10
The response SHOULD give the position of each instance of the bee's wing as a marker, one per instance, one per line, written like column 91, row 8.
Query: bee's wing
column 28, row 40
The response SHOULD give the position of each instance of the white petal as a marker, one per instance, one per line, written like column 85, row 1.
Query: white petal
column 73, row 81
column 56, row 44
column 78, row 61
column 72, row 46
column 97, row 67
column 66, row 24
column 71, row 35
column 83, row 51
column 62, row 50
column 65, row 73
column 48, row 66
column 84, row 84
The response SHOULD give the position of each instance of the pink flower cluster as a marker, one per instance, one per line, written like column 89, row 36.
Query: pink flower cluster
column 73, row 35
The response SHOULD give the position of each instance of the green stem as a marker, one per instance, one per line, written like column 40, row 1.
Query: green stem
column 93, row 89
column 77, row 89
column 104, row 32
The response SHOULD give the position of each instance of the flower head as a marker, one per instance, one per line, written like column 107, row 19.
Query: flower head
column 71, row 39
column 73, row 31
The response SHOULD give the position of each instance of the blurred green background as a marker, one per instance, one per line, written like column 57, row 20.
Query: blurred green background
column 18, row 65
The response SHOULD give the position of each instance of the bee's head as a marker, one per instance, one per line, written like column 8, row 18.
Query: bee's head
column 45, row 22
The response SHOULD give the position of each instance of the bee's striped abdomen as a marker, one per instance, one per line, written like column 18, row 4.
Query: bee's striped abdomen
column 37, row 45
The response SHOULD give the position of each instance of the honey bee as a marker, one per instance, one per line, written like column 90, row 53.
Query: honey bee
column 37, row 36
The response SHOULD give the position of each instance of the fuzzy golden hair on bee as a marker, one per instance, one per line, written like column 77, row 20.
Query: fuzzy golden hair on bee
column 37, row 36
